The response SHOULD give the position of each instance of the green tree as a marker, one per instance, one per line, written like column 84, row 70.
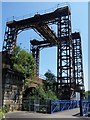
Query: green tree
column 40, row 92
column 87, row 95
column 23, row 61
column 50, row 77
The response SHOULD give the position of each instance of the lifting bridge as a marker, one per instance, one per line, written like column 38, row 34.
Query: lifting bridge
column 69, row 51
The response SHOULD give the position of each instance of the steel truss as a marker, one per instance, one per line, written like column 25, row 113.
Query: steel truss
column 9, row 39
column 77, row 60
column 64, row 58
column 69, row 56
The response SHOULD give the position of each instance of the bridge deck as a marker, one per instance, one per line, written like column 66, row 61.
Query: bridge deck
column 25, row 114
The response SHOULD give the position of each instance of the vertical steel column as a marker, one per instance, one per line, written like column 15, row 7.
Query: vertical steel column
column 64, row 57
column 78, row 63
column 36, row 54
column 9, row 40
column 37, row 61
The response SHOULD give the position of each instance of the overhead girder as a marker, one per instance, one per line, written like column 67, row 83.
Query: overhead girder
column 38, row 22
column 41, row 44
column 37, row 19
column 47, row 33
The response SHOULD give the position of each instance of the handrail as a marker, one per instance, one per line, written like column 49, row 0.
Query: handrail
column 86, row 107
column 61, row 105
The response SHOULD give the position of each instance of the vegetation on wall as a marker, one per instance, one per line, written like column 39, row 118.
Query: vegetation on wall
column 23, row 61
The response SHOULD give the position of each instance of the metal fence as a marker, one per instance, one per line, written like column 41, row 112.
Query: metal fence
column 37, row 105
column 51, row 106
column 61, row 105
column 86, row 107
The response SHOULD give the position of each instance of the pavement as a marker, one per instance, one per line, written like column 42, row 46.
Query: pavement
column 25, row 114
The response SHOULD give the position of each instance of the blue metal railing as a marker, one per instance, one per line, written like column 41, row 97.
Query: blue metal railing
column 86, row 107
column 51, row 106
column 61, row 105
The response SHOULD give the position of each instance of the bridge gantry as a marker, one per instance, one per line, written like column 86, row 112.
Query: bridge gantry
column 69, row 70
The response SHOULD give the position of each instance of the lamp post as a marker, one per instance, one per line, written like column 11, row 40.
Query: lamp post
column 81, row 98
column 80, row 89
column 81, row 113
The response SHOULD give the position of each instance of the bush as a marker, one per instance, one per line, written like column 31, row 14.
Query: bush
column 41, row 93
column 6, row 108
column 51, row 95
column 2, row 114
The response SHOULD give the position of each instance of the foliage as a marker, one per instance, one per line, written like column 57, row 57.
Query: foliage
column 29, row 81
column 50, row 77
column 51, row 95
column 87, row 94
column 41, row 93
column 2, row 114
column 23, row 61
column 4, row 110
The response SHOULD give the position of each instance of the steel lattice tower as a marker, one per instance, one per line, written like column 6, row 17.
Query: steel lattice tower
column 77, row 61
column 69, row 51
column 10, row 38
column 64, row 56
